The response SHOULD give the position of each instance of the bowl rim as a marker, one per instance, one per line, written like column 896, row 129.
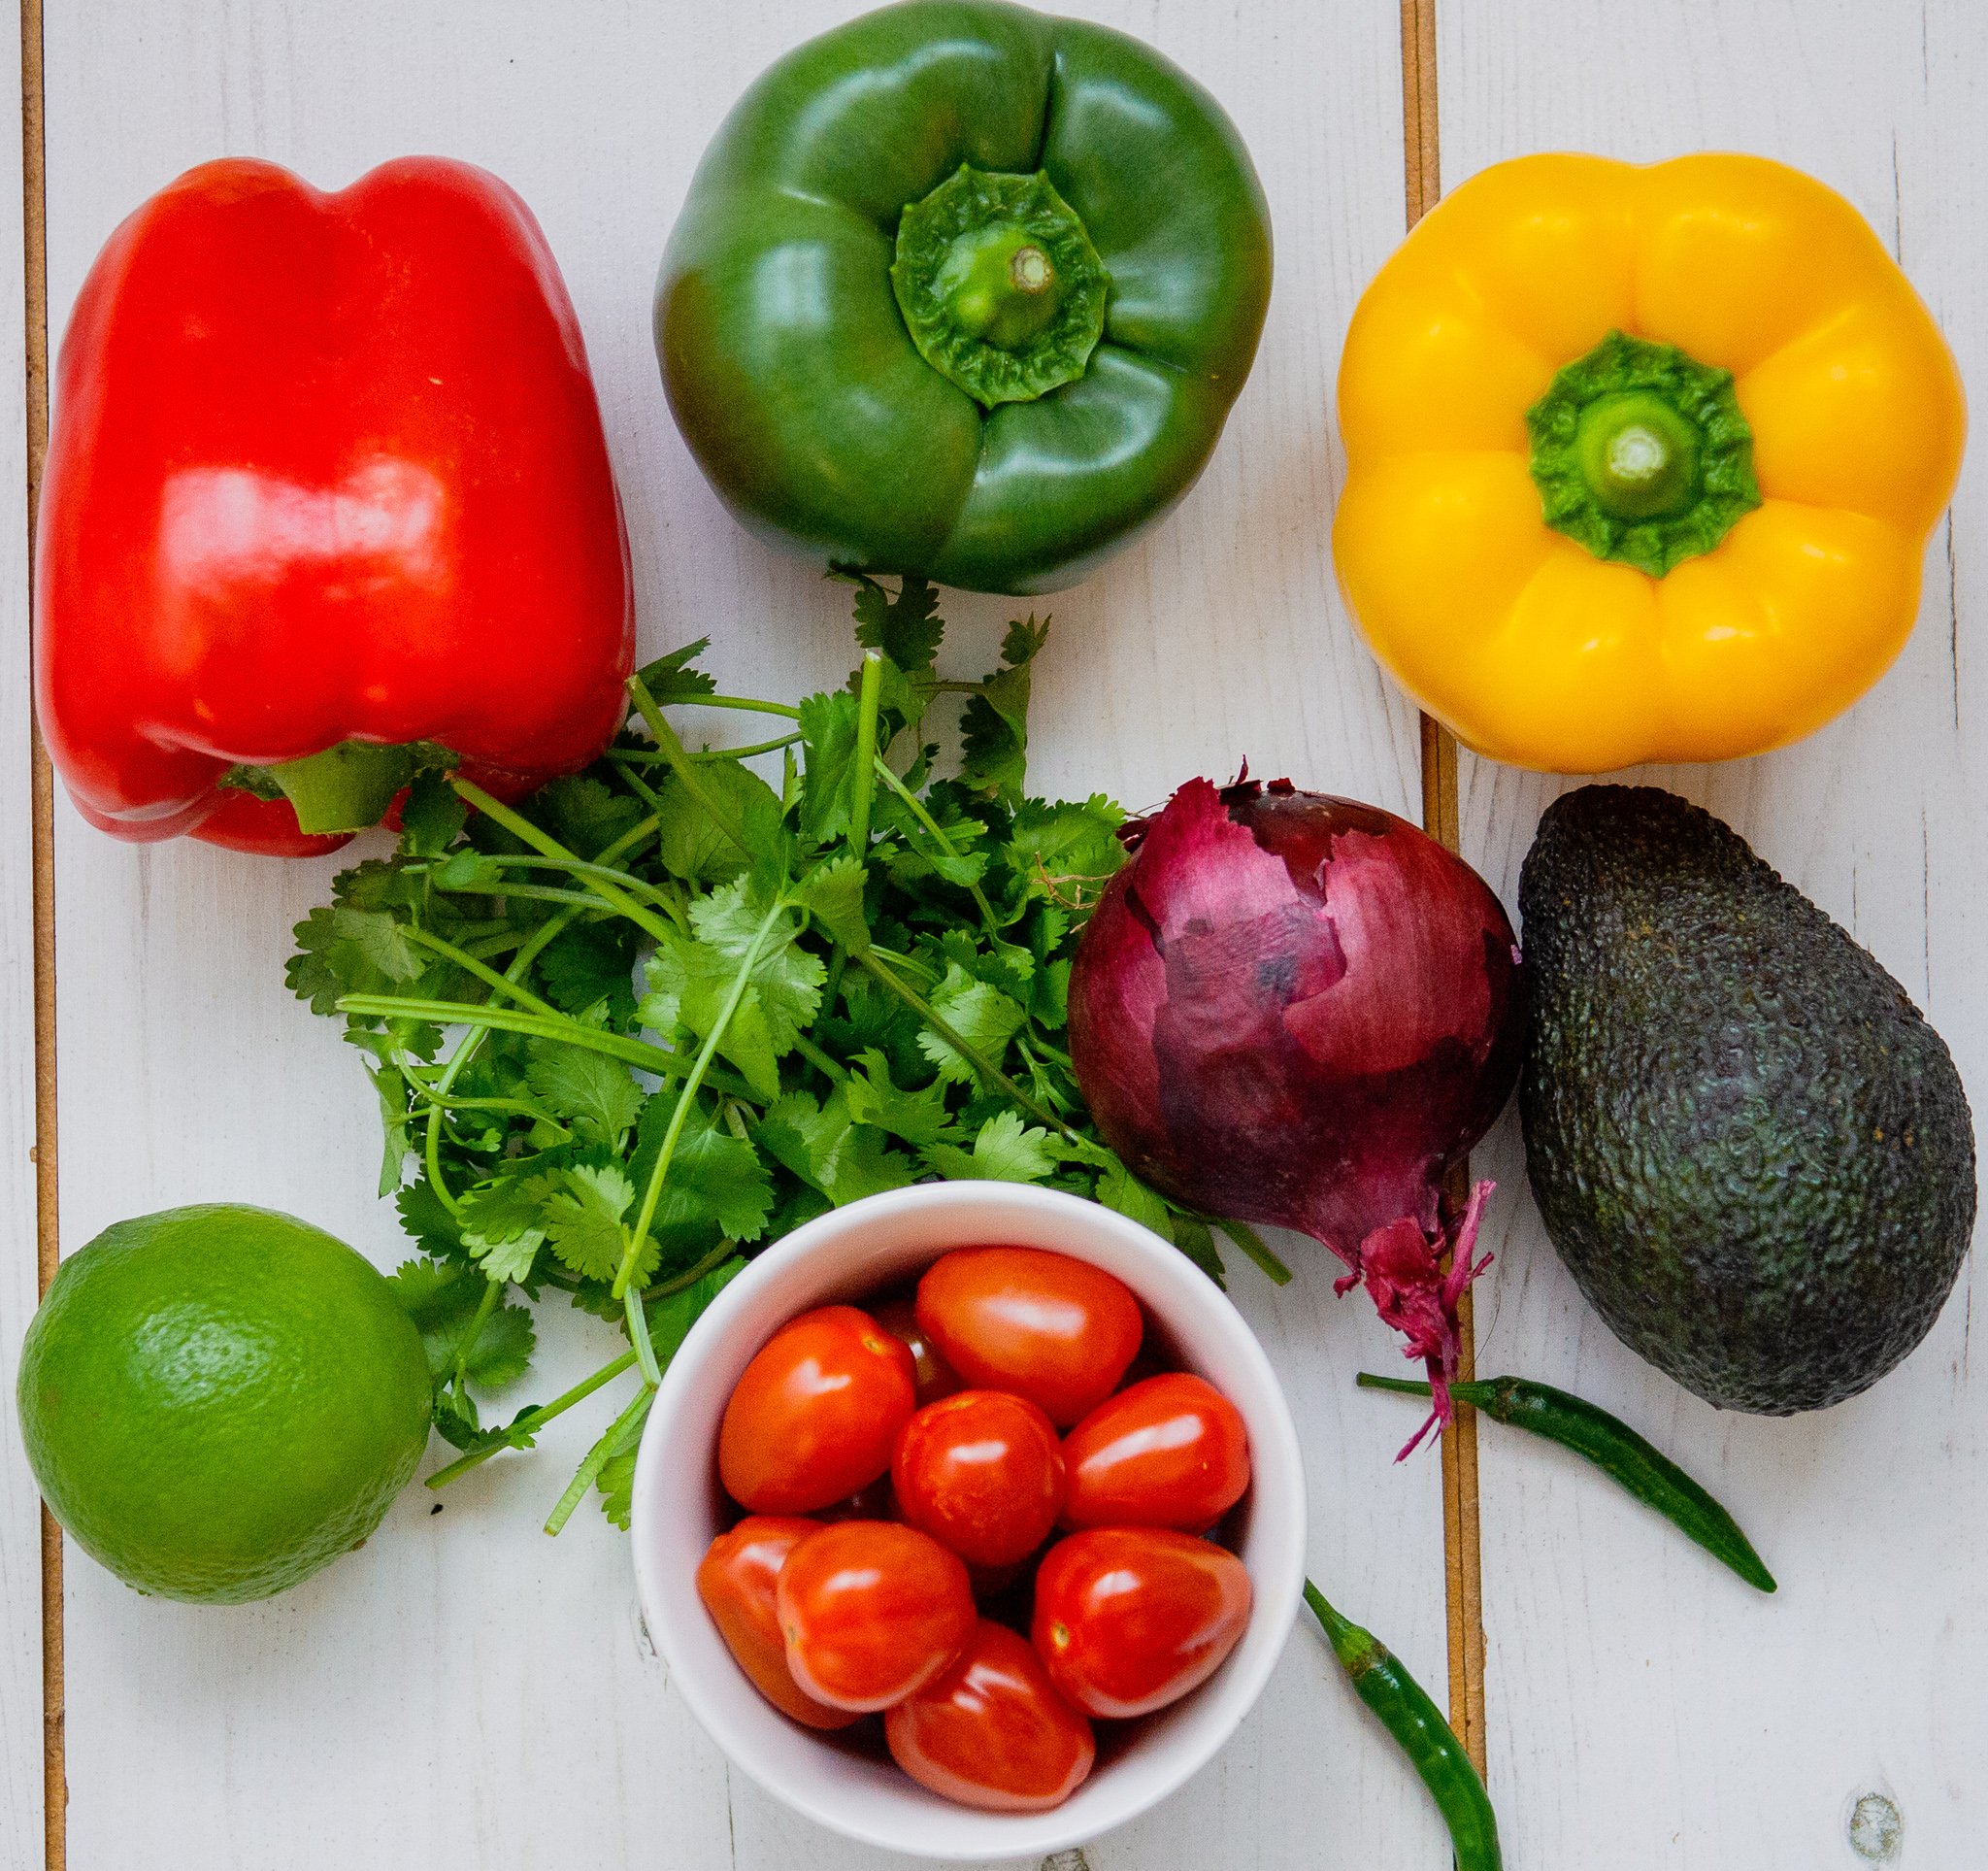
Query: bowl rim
column 1275, row 1560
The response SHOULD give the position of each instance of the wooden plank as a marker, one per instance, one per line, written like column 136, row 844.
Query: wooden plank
column 1649, row 1710
column 463, row 1687
column 20, row 1531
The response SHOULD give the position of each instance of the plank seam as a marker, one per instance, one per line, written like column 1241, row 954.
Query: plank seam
column 1462, row 1550
column 42, row 817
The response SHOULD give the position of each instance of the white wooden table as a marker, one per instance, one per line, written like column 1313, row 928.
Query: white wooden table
column 465, row 1691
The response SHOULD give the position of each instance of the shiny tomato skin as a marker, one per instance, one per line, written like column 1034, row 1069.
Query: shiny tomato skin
column 870, row 1612
column 1169, row 1451
column 982, row 1472
column 737, row 1580
column 1129, row 1619
column 816, row 1414
column 935, row 1378
column 1057, row 1331
column 992, row 1732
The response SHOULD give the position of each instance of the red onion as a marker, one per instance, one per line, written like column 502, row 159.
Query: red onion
column 1301, row 1011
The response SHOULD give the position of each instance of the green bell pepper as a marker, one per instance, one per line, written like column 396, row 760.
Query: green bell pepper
column 964, row 290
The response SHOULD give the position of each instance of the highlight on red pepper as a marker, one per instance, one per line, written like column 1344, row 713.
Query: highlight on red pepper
column 327, row 504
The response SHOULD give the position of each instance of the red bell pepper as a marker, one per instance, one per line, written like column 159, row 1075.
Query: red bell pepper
column 328, row 479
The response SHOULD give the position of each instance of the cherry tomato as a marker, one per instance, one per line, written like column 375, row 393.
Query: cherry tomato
column 1055, row 1331
column 816, row 1414
column 992, row 1732
column 736, row 1580
column 872, row 1611
column 1170, row 1451
column 981, row 1472
column 1129, row 1619
column 935, row 1378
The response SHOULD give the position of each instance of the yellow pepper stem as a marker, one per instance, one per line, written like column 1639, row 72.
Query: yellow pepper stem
column 1641, row 455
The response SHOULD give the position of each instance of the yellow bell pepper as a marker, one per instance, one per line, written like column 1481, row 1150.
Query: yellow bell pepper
column 1640, row 462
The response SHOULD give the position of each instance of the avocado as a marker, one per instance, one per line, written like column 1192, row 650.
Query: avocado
column 1750, row 1149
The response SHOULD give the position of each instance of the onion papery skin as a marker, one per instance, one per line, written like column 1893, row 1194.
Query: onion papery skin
column 1301, row 1011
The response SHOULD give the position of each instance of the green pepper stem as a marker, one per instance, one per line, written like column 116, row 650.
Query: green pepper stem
column 999, row 286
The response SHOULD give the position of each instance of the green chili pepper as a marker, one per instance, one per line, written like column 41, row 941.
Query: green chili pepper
column 1422, row 1734
column 1616, row 1448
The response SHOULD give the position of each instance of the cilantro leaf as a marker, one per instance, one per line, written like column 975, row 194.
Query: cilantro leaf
column 828, row 739
column 904, row 627
column 431, row 817
column 423, row 1215
column 583, row 1220
column 589, row 963
column 347, row 950
column 596, row 1092
column 443, row 1300
column 672, row 678
column 1066, row 852
column 671, row 1318
column 584, row 814
column 616, row 1484
column 693, row 846
column 503, row 1223
column 691, row 980
column 833, row 894
column 982, row 1015
column 994, row 732
column 916, row 1117
column 1004, row 1151
column 1119, row 1188
column 824, row 1147
column 717, row 1184
column 1193, row 1239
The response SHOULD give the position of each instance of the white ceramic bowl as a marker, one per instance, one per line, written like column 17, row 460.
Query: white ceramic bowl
column 679, row 1510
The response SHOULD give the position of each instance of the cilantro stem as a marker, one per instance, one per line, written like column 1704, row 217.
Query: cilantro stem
column 688, row 1096
column 528, row 951
column 641, row 756
column 989, row 1072
column 1255, row 1247
column 681, row 762
column 474, row 1330
column 690, row 1276
column 519, row 1107
column 487, row 974
column 582, row 869
column 522, row 827
column 529, row 1421
column 638, row 1053
column 931, row 824
column 746, row 702
column 532, row 893
column 819, row 1060
column 615, row 1441
column 638, row 1336
column 863, row 781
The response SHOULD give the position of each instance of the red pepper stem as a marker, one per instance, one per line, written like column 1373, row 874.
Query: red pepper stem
column 348, row 787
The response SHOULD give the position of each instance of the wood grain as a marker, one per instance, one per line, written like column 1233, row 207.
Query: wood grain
column 463, row 1689
column 1462, row 1553
column 1649, row 1709
column 30, row 1549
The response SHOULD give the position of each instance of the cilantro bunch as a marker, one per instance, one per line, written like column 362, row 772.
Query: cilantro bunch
column 661, row 1013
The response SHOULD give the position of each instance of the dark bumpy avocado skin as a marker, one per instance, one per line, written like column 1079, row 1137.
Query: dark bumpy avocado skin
column 1752, row 1153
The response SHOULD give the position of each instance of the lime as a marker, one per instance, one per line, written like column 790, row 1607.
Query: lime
column 217, row 1401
